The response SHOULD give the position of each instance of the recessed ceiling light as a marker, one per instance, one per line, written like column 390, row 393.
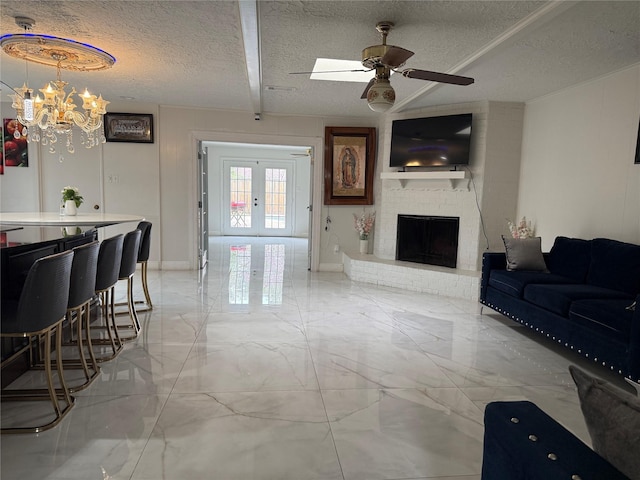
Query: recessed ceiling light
column 340, row 71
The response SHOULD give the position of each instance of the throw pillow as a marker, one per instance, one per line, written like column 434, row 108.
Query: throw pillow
column 524, row 254
column 613, row 420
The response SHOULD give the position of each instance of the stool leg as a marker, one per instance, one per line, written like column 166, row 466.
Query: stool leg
column 79, row 325
column 145, row 285
column 147, row 305
column 132, row 308
column 59, row 364
column 107, row 309
column 87, row 332
column 47, row 368
column 83, row 316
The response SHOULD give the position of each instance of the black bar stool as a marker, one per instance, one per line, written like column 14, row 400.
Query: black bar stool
column 81, row 291
column 127, row 269
column 39, row 312
column 109, row 258
column 143, row 258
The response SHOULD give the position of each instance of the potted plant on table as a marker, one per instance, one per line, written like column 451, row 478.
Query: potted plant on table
column 71, row 199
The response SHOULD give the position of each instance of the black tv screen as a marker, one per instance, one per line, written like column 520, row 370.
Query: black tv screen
column 431, row 141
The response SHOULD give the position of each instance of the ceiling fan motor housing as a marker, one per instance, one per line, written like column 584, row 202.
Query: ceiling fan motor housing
column 372, row 56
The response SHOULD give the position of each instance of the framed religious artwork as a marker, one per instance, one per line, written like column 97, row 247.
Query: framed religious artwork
column 349, row 164
column 128, row 127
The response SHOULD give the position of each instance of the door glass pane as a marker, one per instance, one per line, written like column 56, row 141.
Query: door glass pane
column 275, row 189
column 240, row 197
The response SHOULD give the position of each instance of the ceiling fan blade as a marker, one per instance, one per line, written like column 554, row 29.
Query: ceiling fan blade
column 437, row 77
column 396, row 56
column 333, row 71
column 366, row 90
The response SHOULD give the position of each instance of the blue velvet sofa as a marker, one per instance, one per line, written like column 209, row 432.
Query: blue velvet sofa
column 521, row 442
column 584, row 299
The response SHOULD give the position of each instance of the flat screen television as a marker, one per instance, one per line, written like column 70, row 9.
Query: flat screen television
column 431, row 142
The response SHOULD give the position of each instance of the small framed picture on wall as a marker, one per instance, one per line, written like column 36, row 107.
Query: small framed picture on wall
column 128, row 127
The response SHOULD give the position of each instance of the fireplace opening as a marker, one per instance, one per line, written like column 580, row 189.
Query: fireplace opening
column 426, row 239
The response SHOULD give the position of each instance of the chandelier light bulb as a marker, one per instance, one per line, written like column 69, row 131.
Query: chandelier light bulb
column 28, row 106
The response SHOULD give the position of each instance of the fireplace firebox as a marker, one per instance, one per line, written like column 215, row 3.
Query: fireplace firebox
column 427, row 239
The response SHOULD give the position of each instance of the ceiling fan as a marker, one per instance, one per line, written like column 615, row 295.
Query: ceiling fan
column 385, row 59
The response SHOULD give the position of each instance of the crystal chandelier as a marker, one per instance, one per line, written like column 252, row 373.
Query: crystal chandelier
column 55, row 113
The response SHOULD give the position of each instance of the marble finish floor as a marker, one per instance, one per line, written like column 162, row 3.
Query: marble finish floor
column 260, row 369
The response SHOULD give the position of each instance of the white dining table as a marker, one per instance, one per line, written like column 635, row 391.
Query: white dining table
column 54, row 219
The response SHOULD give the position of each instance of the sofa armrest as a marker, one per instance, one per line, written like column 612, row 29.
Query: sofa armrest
column 521, row 442
column 490, row 261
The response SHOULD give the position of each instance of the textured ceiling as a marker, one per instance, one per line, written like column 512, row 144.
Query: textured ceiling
column 191, row 53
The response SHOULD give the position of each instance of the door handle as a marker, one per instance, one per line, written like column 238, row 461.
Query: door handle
column 96, row 207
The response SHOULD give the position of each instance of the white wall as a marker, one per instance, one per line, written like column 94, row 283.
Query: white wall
column 578, row 177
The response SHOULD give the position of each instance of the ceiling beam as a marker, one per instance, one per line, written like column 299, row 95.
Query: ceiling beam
column 251, row 40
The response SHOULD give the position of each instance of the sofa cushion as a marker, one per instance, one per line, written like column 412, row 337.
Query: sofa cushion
column 524, row 254
column 612, row 416
column 615, row 265
column 558, row 298
column 513, row 283
column 607, row 316
column 570, row 257
column 519, row 438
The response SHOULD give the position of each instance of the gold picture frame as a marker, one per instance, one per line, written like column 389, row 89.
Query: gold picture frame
column 349, row 164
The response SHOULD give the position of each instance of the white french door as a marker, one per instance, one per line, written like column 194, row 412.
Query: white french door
column 258, row 198
column 203, row 206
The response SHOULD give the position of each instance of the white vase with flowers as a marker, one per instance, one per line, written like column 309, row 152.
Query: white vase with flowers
column 364, row 225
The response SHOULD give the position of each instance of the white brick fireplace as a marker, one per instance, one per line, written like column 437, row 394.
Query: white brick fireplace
column 490, row 185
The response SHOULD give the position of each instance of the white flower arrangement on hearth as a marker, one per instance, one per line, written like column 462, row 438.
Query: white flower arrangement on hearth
column 364, row 224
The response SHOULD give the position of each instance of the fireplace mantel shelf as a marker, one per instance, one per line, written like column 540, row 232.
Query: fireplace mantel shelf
column 452, row 176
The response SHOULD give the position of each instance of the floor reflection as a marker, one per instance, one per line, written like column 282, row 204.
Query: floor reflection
column 244, row 262
column 273, row 277
column 239, row 274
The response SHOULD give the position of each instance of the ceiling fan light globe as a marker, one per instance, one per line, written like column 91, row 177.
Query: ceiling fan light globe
column 381, row 96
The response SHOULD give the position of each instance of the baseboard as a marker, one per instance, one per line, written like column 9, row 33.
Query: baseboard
column 331, row 267
column 176, row 266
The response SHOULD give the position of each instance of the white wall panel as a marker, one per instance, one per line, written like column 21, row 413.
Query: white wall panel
column 578, row 177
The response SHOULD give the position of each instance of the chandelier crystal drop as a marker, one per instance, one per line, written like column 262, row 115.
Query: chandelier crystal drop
column 53, row 112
